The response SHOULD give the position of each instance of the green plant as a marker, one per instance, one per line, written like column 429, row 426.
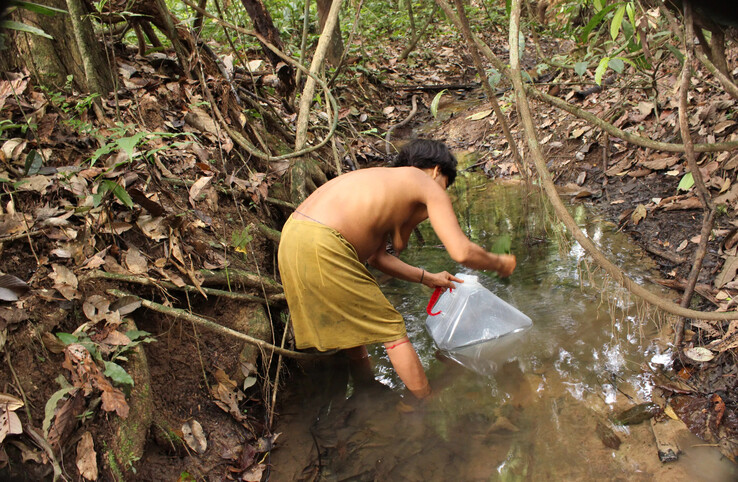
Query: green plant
column 22, row 27
column 112, row 369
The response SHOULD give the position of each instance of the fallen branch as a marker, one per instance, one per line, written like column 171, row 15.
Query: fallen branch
column 186, row 315
column 561, row 211
column 239, row 276
column 274, row 299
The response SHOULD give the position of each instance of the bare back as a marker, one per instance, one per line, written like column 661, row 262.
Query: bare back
column 371, row 205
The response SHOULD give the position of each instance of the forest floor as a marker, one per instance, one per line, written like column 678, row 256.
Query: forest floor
column 198, row 404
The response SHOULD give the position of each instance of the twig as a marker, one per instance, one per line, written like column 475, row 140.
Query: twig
column 20, row 387
column 22, row 235
column 143, row 280
column 185, row 315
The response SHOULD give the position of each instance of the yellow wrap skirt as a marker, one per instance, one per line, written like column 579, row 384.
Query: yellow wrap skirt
column 334, row 301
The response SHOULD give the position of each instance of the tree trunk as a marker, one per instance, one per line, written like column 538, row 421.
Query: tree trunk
column 98, row 80
column 265, row 27
column 335, row 48
column 54, row 60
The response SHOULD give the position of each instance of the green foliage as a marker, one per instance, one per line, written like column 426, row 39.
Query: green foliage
column 22, row 27
column 241, row 239
column 112, row 369
column 435, row 102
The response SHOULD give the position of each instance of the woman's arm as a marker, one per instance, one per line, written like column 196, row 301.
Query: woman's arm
column 459, row 247
column 395, row 267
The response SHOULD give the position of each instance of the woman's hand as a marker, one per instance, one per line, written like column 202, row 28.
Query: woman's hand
column 440, row 280
column 506, row 266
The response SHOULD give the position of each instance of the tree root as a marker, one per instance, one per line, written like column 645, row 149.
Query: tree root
column 275, row 299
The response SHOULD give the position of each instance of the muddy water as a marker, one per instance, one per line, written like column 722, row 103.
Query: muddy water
column 530, row 411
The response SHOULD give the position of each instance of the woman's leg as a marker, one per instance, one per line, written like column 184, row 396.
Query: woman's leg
column 360, row 364
column 407, row 365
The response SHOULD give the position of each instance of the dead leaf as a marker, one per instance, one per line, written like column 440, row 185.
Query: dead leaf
column 727, row 274
column 136, row 262
column 682, row 245
column 86, row 457
column 152, row 227
column 65, row 281
column 660, row 164
column 639, row 213
column 13, row 148
column 699, row 354
column 116, row 338
column 254, row 474
column 37, row 183
column 12, row 287
column 480, row 115
column 10, row 424
column 194, row 436
column 125, row 305
column 683, row 204
column 95, row 308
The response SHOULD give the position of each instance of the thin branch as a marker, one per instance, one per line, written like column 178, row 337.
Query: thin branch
column 211, row 325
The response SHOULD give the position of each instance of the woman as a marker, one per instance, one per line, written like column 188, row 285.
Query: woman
column 335, row 303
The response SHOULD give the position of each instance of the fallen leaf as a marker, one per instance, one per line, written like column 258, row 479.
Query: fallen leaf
column 638, row 214
column 699, row 354
column 670, row 413
column 197, row 188
column 194, row 436
column 12, row 287
column 95, row 308
column 728, row 272
column 136, row 261
column 86, row 457
column 10, row 424
column 65, row 281
column 480, row 115
column 152, row 227
column 254, row 474
column 682, row 245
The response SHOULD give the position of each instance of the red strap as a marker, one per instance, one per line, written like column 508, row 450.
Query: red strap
column 434, row 297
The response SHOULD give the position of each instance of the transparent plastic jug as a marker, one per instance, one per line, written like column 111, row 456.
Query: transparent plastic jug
column 471, row 314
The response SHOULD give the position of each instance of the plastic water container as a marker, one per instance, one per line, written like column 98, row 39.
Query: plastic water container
column 471, row 314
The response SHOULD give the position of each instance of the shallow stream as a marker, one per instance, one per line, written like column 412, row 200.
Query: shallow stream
column 539, row 410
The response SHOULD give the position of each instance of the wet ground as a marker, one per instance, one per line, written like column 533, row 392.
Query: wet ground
column 542, row 409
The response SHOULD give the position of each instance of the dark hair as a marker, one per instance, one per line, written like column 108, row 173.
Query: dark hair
column 425, row 153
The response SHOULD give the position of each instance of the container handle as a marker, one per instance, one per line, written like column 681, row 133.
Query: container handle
column 434, row 297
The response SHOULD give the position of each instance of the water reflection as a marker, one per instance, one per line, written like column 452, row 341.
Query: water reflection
column 533, row 411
